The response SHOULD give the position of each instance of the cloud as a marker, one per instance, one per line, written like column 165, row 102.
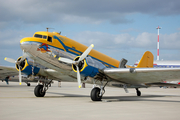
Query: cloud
column 79, row 11
column 171, row 41
column 144, row 40
column 130, row 30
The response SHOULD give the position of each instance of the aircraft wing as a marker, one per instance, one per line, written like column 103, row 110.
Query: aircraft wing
column 7, row 71
column 141, row 76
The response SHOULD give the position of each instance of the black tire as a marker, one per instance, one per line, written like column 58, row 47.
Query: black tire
column 138, row 93
column 38, row 91
column 28, row 84
column 95, row 94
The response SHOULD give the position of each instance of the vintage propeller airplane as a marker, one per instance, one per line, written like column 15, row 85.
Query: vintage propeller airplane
column 65, row 59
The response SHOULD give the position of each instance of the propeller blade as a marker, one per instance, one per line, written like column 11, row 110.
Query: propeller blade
column 23, row 57
column 10, row 60
column 66, row 60
column 86, row 52
column 78, row 77
column 20, row 75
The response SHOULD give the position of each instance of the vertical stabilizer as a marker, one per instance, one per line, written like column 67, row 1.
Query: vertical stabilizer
column 146, row 60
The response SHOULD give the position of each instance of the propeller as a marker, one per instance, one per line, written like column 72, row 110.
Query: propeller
column 82, row 57
column 66, row 60
column 18, row 63
column 20, row 79
column 88, row 50
column 10, row 60
column 23, row 57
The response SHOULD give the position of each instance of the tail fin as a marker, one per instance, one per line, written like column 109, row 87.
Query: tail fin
column 146, row 60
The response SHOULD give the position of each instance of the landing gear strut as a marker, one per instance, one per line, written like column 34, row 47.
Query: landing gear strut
column 97, row 93
column 138, row 92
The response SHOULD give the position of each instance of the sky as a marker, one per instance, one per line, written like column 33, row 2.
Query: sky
column 117, row 28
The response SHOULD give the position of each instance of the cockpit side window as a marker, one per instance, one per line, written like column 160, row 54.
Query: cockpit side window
column 49, row 39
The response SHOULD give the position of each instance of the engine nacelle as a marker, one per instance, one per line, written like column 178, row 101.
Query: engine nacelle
column 26, row 67
column 88, row 67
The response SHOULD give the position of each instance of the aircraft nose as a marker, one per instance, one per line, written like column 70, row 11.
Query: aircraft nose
column 29, row 45
column 26, row 44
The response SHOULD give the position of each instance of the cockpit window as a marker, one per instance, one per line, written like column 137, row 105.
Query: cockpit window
column 44, row 37
column 48, row 38
column 40, row 36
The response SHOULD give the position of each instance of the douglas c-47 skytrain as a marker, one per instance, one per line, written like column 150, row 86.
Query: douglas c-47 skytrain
column 64, row 59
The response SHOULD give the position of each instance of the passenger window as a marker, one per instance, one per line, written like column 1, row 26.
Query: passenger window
column 49, row 39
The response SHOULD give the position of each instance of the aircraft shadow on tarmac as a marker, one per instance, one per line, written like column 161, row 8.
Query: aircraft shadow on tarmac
column 66, row 95
column 121, row 98
column 141, row 98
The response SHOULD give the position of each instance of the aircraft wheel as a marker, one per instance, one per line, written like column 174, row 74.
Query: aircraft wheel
column 138, row 92
column 95, row 94
column 28, row 84
column 38, row 91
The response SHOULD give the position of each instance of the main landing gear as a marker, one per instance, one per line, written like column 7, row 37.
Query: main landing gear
column 97, row 93
column 40, row 89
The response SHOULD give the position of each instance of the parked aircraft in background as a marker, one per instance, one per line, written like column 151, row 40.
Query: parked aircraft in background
column 67, row 60
column 164, row 64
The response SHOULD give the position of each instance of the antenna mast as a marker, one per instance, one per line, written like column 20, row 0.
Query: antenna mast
column 49, row 28
column 158, row 43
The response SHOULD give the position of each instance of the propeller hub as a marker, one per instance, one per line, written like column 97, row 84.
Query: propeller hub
column 20, row 64
column 79, row 64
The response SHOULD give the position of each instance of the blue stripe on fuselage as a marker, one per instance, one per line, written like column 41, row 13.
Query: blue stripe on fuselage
column 66, row 48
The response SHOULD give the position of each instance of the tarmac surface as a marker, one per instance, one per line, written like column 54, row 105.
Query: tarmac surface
column 68, row 102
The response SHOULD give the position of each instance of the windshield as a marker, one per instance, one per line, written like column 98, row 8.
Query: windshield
column 40, row 36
